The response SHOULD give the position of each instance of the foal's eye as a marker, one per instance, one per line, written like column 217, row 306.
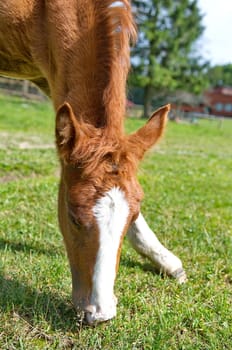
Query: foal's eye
column 135, row 217
column 73, row 219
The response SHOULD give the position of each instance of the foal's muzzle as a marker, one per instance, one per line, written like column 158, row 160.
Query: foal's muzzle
column 95, row 314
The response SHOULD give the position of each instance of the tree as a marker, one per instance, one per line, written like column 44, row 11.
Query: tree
column 164, row 58
column 220, row 75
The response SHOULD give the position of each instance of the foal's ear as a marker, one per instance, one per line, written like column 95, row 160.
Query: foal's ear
column 150, row 133
column 66, row 130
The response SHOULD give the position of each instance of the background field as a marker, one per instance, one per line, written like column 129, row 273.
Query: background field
column 188, row 203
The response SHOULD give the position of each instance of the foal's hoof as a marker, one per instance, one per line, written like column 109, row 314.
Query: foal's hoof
column 180, row 275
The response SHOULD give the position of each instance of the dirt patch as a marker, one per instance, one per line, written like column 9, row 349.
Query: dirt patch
column 22, row 141
column 8, row 178
column 27, row 145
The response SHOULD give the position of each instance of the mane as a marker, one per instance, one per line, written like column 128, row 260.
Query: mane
column 98, row 147
column 103, row 55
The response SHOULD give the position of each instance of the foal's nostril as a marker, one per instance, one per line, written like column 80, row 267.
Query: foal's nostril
column 93, row 319
column 94, row 315
column 88, row 319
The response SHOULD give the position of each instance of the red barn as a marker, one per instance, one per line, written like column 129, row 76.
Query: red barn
column 219, row 101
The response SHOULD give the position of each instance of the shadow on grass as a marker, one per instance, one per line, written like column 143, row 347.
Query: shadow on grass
column 28, row 248
column 145, row 266
column 34, row 306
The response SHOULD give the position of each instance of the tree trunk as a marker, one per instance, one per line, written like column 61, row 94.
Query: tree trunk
column 147, row 101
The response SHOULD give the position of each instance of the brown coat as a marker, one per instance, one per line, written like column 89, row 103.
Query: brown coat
column 77, row 52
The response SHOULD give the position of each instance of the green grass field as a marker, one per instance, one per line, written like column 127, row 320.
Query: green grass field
column 187, row 181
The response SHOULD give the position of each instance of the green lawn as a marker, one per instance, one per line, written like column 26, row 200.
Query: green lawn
column 188, row 185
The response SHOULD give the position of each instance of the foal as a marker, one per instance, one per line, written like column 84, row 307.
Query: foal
column 77, row 52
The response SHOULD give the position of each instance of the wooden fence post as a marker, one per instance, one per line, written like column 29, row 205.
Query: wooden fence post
column 25, row 87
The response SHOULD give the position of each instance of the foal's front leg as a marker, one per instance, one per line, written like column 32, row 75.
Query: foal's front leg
column 145, row 242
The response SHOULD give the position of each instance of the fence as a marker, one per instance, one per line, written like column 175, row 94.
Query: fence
column 20, row 88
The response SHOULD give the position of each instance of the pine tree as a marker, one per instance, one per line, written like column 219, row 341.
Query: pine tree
column 165, row 56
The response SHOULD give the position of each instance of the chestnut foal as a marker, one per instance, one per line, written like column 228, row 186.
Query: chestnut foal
column 77, row 52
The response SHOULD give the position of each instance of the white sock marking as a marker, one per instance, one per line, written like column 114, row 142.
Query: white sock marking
column 146, row 243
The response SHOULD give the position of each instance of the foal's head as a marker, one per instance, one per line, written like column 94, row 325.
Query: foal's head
column 99, row 199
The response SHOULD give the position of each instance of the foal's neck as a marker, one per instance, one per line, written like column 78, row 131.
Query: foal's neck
column 91, row 61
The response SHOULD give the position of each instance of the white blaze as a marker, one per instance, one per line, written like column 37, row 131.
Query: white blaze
column 111, row 213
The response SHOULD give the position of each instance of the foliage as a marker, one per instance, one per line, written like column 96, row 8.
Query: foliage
column 165, row 57
column 220, row 75
column 187, row 182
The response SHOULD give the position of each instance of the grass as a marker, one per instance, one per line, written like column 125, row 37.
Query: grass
column 188, row 203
